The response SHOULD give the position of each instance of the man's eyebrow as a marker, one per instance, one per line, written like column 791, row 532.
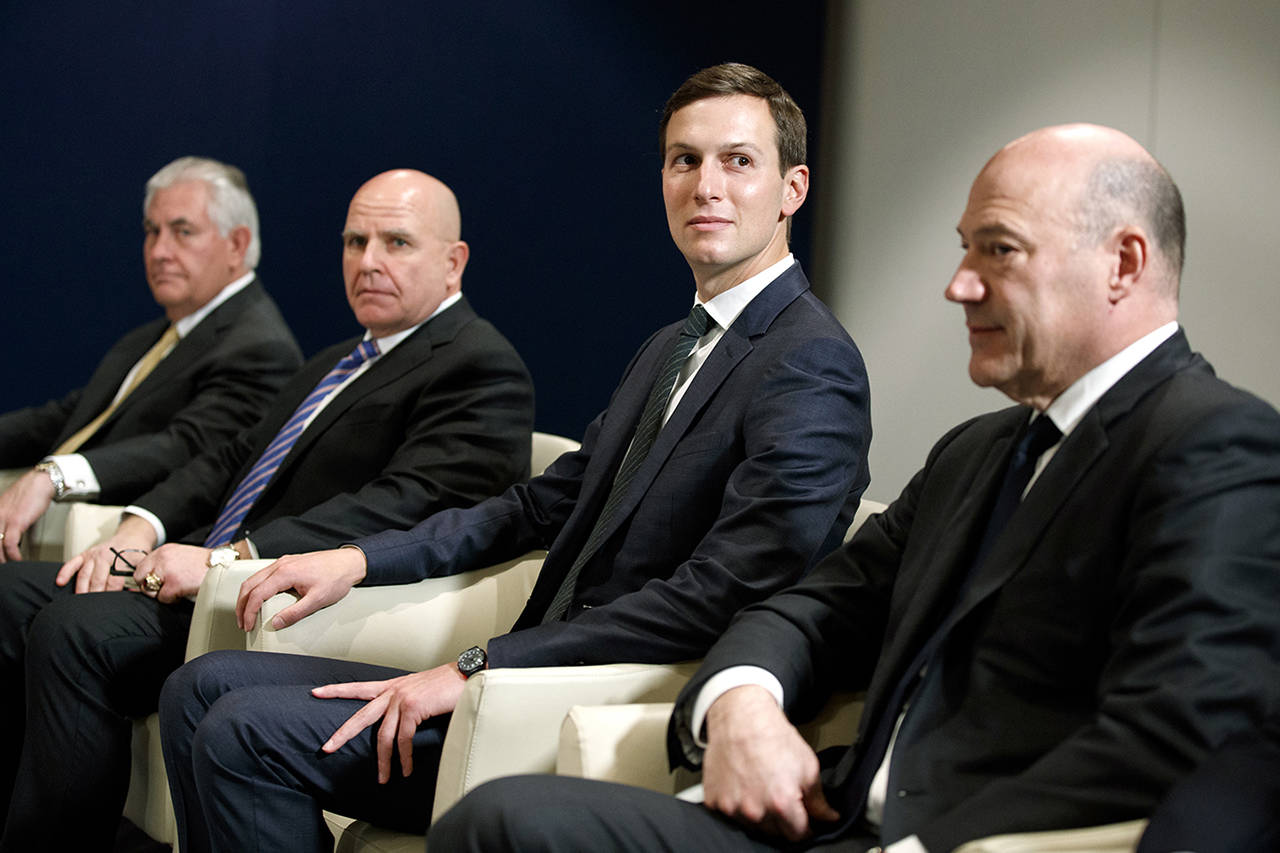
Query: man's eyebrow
column 393, row 233
column 991, row 230
column 180, row 220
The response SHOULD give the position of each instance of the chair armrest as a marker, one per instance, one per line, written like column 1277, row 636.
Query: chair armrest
column 86, row 525
column 213, row 622
column 627, row 743
column 411, row 626
column 620, row 743
column 1110, row 838
column 508, row 720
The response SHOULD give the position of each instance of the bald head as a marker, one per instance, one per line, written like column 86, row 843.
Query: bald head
column 1105, row 180
column 1073, row 244
column 428, row 197
column 402, row 250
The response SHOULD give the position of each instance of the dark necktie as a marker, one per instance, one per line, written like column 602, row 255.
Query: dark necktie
column 1035, row 440
column 242, row 499
column 695, row 326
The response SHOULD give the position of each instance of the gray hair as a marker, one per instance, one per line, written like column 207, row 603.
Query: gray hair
column 230, row 204
column 1122, row 190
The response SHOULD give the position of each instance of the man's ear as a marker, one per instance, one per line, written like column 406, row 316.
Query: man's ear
column 1131, row 262
column 240, row 239
column 795, row 189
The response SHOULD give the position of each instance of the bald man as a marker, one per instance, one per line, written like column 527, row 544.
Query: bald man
column 431, row 408
column 1068, row 607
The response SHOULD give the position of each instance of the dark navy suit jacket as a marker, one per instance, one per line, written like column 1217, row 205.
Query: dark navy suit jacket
column 754, row 477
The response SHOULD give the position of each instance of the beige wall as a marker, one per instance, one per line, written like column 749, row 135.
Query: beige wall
column 922, row 92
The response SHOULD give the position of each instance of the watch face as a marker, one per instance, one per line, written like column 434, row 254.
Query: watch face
column 472, row 660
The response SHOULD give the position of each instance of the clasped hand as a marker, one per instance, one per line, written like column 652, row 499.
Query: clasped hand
column 402, row 704
column 758, row 770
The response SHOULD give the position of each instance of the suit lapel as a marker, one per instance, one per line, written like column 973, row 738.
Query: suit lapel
column 730, row 350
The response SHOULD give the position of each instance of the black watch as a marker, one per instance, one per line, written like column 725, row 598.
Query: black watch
column 472, row 661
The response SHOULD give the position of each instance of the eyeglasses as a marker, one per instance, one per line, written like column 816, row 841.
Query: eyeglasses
column 121, row 558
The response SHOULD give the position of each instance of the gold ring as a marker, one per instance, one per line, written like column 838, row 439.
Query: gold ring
column 152, row 583
column 1, row 536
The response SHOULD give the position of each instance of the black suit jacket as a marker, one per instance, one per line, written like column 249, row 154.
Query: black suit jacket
column 217, row 378
column 442, row 420
column 1123, row 624
column 753, row 478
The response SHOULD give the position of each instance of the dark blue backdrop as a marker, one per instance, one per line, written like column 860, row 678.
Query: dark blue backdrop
column 541, row 116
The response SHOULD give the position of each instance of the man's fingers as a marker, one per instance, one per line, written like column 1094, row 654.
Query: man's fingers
column 404, row 740
column 815, row 803
column 356, row 723
column 304, row 606
column 69, row 569
column 365, row 690
column 387, row 741
column 12, row 539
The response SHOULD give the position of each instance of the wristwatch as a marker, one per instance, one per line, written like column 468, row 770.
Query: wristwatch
column 55, row 476
column 220, row 558
column 472, row 661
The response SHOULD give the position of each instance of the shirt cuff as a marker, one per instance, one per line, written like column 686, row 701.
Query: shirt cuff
column 910, row 844
column 150, row 517
column 721, row 683
column 77, row 475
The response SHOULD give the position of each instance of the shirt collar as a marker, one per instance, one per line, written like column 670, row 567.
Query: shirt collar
column 189, row 322
column 1069, row 407
column 388, row 343
column 725, row 307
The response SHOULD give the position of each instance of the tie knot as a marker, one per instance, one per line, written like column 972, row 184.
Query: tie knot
column 367, row 350
column 696, row 325
column 1042, row 434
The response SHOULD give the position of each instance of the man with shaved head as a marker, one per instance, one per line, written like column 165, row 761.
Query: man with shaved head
column 430, row 408
column 1067, row 608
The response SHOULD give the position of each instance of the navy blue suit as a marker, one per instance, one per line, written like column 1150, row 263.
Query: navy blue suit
column 753, row 478
column 1122, row 625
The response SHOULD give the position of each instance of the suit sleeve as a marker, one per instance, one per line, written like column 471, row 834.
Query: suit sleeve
column 1193, row 646
column 805, row 435
column 468, row 438
column 27, row 435
column 233, row 382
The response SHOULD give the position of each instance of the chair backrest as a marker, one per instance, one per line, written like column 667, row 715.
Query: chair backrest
column 866, row 509
column 547, row 449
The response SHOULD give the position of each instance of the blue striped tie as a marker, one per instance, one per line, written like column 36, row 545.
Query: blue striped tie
column 695, row 326
column 242, row 499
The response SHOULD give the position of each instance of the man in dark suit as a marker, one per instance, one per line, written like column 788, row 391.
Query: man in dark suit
column 1050, row 631
column 175, row 386
column 437, row 413
column 657, row 532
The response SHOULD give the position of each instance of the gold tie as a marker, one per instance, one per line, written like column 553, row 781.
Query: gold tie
column 145, row 366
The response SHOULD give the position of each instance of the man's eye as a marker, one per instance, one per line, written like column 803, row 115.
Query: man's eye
column 398, row 241
column 684, row 160
column 742, row 161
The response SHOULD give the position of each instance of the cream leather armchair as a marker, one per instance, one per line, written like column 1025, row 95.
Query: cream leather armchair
column 627, row 744
column 369, row 624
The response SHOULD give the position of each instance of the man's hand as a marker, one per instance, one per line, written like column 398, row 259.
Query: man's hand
column 91, row 568
column 758, row 770
column 320, row 577
column 402, row 704
column 20, row 506
column 180, row 568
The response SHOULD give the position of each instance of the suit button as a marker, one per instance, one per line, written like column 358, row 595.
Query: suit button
column 902, row 792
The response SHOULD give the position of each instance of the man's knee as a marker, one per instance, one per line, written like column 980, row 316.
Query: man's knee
column 524, row 813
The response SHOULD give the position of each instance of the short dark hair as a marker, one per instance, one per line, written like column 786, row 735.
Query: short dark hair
column 734, row 78
column 1121, row 188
